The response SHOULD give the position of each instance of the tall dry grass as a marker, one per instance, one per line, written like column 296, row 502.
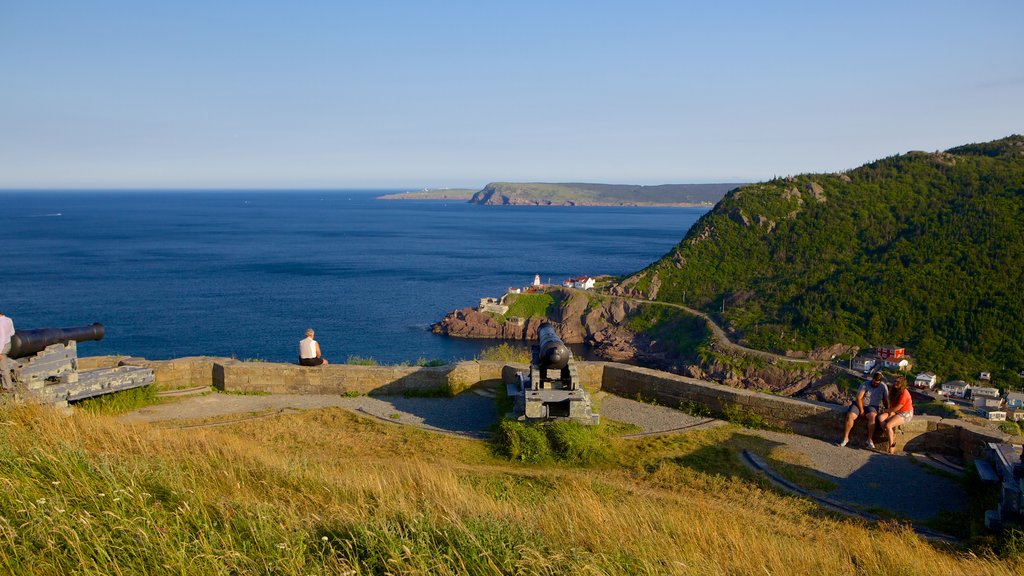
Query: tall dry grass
column 327, row 492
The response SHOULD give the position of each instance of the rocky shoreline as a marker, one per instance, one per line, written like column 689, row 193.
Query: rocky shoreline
column 602, row 324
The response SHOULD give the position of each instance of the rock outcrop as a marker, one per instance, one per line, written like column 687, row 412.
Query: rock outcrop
column 597, row 322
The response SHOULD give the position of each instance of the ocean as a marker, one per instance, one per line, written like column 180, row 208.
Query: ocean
column 244, row 273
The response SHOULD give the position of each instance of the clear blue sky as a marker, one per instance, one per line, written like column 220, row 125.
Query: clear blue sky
column 153, row 93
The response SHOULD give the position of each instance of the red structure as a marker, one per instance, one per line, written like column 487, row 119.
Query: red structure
column 891, row 353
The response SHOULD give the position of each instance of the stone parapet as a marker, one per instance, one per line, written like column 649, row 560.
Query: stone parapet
column 805, row 417
column 179, row 373
column 273, row 378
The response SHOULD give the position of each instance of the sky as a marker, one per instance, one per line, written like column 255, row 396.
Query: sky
column 413, row 94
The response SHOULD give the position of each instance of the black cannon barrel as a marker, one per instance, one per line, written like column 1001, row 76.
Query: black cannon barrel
column 28, row 342
column 553, row 353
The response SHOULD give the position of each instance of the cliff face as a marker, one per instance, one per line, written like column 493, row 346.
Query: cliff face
column 584, row 194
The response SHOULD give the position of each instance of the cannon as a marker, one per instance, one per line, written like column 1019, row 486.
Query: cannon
column 45, row 366
column 540, row 396
column 28, row 342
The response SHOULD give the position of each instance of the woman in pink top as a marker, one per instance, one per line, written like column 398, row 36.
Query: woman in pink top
column 901, row 410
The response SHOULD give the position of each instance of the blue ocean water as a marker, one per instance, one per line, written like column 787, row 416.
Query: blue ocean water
column 245, row 273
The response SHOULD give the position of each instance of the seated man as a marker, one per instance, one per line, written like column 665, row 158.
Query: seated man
column 309, row 351
column 871, row 397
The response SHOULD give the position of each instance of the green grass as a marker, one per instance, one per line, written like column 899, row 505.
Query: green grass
column 530, row 305
column 361, row 361
column 328, row 492
column 1011, row 428
column 120, row 402
column 562, row 441
column 506, row 352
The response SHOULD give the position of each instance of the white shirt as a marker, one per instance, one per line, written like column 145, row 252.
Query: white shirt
column 6, row 332
column 307, row 348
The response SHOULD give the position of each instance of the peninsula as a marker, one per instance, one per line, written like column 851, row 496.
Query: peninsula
column 576, row 194
column 432, row 194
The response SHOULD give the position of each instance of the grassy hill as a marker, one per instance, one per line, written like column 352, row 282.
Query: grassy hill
column 328, row 492
column 921, row 249
column 432, row 194
column 581, row 194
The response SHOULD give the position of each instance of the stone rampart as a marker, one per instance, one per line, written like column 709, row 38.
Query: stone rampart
column 188, row 372
column 235, row 376
column 805, row 417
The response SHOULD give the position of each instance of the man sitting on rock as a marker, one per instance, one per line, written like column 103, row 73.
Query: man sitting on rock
column 871, row 397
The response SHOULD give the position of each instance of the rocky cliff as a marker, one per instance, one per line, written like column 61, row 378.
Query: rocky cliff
column 578, row 317
column 603, row 323
column 585, row 194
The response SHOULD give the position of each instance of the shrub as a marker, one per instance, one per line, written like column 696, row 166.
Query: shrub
column 523, row 442
column 1010, row 428
column 563, row 441
column 120, row 402
column 506, row 352
column 361, row 361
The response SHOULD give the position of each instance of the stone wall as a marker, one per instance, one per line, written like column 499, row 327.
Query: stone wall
column 815, row 419
column 188, row 372
column 235, row 376
column 805, row 417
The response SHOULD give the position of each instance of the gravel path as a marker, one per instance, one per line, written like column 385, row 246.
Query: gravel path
column 864, row 479
column 869, row 479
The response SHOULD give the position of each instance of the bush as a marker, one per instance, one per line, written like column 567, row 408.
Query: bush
column 506, row 352
column 523, row 442
column 563, row 441
column 120, row 402
column 361, row 361
column 1010, row 428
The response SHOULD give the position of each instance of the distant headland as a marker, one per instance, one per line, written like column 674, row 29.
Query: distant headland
column 577, row 194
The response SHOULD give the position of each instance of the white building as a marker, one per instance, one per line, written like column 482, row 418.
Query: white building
column 984, row 392
column 536, row 280
column 985, row 376
column 987, row 403
column 955, row 389
column 903, row 364
column 579, row 282
column 864, row 363
column 993, row 414
column 925, row 380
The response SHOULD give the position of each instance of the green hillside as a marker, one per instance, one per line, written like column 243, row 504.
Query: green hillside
column 922, row 249
column 583, row 194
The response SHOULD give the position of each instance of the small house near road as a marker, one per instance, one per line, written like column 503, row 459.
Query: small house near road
column 1015, row 399
column 893, row 353
column 994, row 414
column 1015, row 414
column 864, row 363
column 902, row 364
column 925, row 380
column 984, row 392
column 955, row 388
column 987, row 403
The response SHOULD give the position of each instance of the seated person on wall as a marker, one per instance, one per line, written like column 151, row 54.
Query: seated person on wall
column 309, row 351
column 871, row 396
column 900, row 411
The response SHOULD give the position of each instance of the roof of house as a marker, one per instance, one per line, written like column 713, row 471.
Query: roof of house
column 955, row 384
column 1014, row 396
column 926, row 375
